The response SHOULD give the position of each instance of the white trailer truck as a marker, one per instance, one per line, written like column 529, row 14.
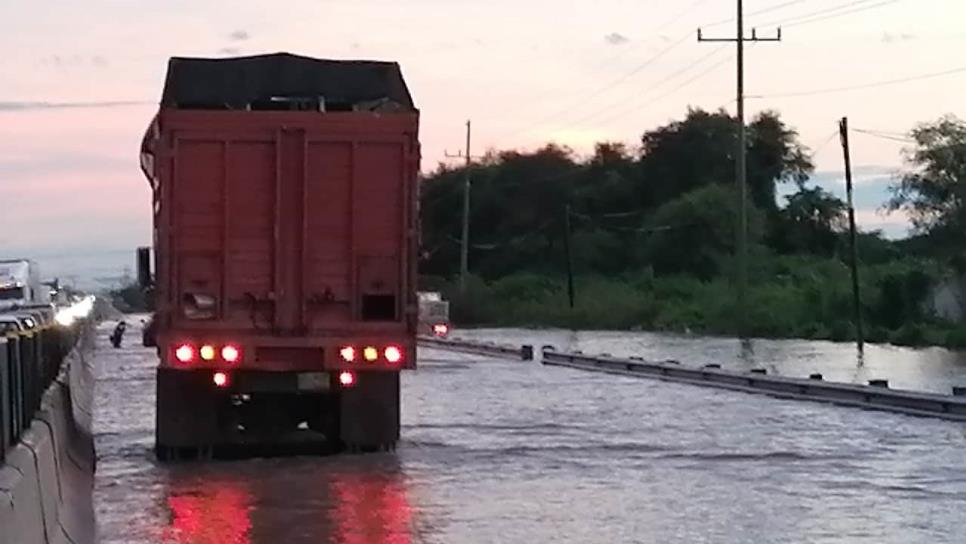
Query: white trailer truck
column 20, row 284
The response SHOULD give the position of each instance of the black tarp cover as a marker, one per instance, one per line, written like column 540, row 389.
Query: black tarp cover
column 234, row 83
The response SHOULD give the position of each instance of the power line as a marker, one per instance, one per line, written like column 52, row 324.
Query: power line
column 607, row 107
column 887, row 132
column 874, row 134
column 637, row 69
column 840, row 10
column 669, row 92
column 656, row 30
column 884, row 136
column 863, row 86
column 761, row 11
column 589, row 96
column 831, row 137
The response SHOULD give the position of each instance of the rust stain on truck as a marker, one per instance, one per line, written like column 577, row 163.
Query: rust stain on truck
column 285, row 243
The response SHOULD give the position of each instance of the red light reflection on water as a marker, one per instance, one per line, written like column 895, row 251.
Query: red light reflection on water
column 218, row 513
column 371, row 507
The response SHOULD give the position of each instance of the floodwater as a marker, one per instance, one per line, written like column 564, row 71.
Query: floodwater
column 929, row 369
column 500, row 451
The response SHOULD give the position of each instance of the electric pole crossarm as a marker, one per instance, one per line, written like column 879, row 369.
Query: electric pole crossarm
column 754, row 37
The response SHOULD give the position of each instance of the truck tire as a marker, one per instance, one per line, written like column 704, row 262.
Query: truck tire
column 369, row 412
column 187, row 418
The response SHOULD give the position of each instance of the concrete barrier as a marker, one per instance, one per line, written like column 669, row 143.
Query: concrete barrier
column 873, row 397
column 46, row 483
column 523, row 353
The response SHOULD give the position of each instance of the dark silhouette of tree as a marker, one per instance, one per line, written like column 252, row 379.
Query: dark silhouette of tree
column 519, row 198
column 811, row 223
column 933, row 191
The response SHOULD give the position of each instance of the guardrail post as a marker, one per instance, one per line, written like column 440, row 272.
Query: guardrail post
column 44, row 355
column 526, row 352
column 16, row 387
column 28, row 365
column 51, row 354
column 6, row 402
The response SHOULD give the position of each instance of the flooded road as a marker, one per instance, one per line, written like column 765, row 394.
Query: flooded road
column 504, row 452
column 927, row 369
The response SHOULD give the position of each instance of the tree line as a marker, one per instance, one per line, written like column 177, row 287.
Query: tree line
column 667, row 210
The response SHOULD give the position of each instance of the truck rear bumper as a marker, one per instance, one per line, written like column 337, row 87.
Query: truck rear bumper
column 276, row 354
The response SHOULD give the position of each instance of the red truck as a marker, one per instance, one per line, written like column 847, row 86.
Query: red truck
column 285, row 243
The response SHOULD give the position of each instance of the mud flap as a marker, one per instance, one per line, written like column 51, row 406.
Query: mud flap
column 187, row 409
column 369, row 411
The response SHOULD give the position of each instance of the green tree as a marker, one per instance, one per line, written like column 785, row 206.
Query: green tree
column 519, row 198
column 695, row 233
column 933, row 191
column 700, row 150
column 810, row 222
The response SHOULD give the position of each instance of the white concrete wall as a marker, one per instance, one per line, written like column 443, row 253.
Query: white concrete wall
column 47, row 482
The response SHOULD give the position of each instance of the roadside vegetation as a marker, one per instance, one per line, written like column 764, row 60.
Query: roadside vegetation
column 653, row 230
column 128, row 297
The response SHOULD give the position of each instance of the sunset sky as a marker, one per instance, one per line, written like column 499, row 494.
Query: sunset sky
column 525, row 71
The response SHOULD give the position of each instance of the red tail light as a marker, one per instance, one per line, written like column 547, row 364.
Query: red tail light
column 393, row 354
column 220, row 379
column 230, row 354
column 370, row 354
column 185, row 353
column 347, row 379
column 348, row 354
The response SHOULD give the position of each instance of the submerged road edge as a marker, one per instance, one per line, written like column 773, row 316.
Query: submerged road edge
column 47, row 482
column 869, row 397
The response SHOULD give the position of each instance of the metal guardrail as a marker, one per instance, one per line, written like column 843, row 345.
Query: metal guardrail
column 30, row 361
column 875, row 396
column 524, row 353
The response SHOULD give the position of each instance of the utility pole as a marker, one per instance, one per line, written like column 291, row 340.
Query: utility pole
column 741, row 173
column 854, row 260
column 465, row 241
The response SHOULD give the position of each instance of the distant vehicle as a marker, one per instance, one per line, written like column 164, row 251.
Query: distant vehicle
column 285, row 228
column 433, row 314
column 20, row 284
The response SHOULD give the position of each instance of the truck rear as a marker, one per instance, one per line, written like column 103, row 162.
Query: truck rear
column 284, row 198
